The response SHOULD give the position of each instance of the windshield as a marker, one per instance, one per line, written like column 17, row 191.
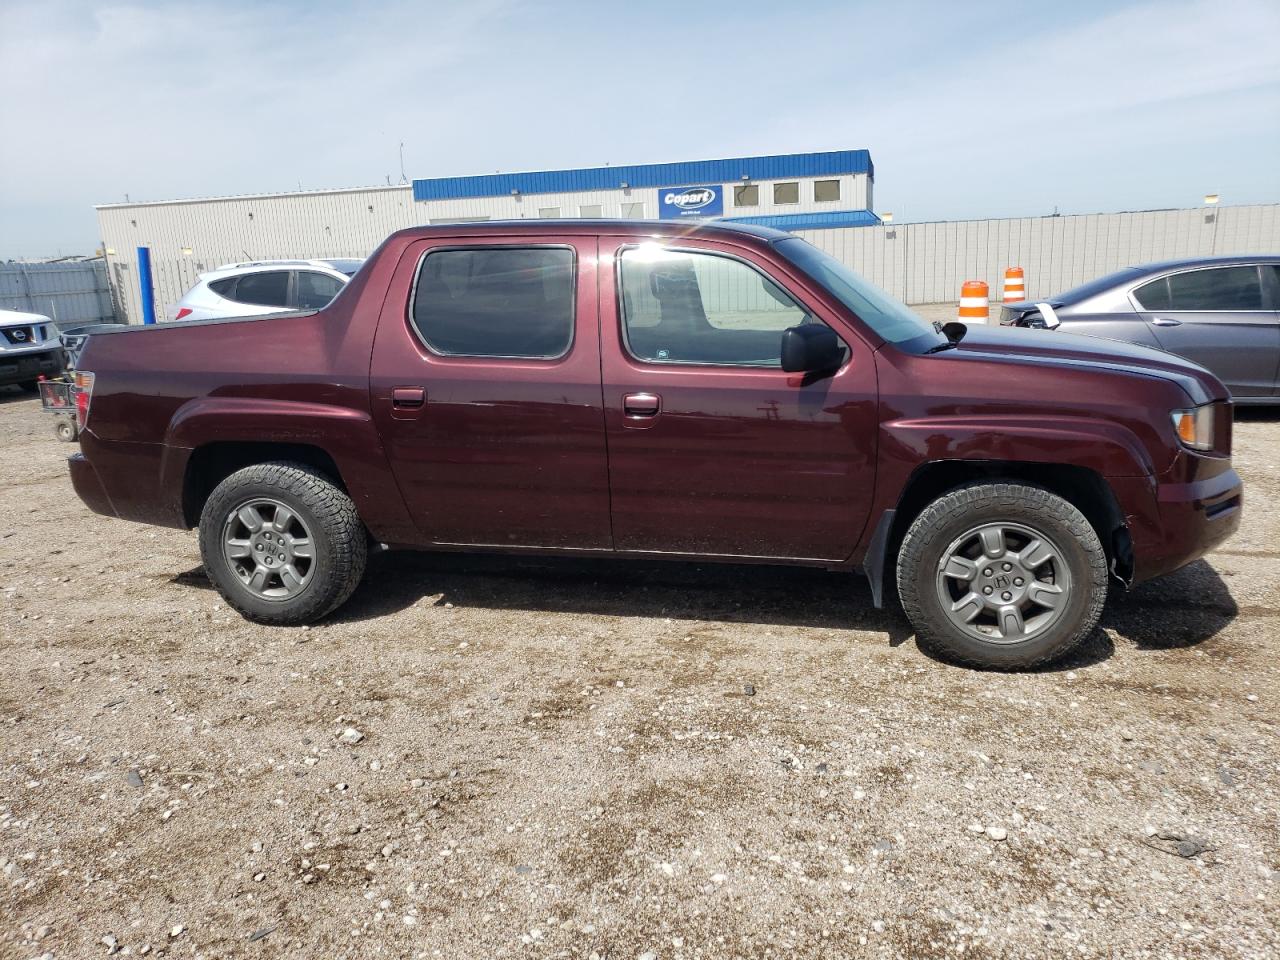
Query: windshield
column 892, row 320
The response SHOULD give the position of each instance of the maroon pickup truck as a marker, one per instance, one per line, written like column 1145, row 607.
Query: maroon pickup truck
column 713, row 392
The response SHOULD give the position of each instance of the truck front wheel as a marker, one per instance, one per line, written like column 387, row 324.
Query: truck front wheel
column 1002, row 576
column 282, row 543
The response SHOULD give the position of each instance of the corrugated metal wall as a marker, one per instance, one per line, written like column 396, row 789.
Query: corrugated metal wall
column 917, row 262
column 69, row 293
column 927, row 262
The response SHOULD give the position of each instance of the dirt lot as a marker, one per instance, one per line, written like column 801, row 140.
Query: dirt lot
column 617, row 760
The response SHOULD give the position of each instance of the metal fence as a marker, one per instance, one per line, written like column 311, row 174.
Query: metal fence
column 927, row 262
column 70, row 293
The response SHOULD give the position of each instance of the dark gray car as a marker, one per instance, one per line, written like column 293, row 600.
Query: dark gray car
column 1221, row 312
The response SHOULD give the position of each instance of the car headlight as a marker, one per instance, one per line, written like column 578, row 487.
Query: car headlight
column 1195, row 427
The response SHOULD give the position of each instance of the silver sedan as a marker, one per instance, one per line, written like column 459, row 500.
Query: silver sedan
column 1221, row 312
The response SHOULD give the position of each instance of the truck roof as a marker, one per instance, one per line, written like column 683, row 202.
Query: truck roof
column 626, row 228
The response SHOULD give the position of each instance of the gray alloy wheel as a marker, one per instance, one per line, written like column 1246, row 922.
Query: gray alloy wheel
column 282, row 542
column 269, row 548
column 1003, row 582
column 1001, row 575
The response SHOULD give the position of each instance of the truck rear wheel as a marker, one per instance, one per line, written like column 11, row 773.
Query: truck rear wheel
column 1002, row 576
column 282, row 543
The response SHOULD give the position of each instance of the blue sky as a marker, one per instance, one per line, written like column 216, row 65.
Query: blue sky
column 969, row 109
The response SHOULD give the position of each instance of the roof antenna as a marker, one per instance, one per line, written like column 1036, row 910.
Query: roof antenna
column 403, row 178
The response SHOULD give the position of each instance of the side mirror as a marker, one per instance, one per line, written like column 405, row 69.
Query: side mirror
column 811, row 348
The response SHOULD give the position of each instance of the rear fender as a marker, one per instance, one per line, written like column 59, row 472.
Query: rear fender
column 346, row 434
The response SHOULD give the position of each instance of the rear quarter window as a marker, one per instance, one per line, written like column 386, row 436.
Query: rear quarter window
column 226, row 287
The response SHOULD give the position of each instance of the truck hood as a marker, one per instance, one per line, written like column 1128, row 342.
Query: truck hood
column 1018, row 345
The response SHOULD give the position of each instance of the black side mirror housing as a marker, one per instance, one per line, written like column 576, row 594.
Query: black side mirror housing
column 811, row 348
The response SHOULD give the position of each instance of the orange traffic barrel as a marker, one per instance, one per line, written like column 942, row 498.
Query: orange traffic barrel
column 973, row 302
column 1015, row 288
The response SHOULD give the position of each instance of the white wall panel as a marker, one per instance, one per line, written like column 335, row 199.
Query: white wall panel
column 918, row 262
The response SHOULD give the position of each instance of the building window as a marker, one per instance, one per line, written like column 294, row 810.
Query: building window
column 633, row 211
column 746, row 196
column 497, row 302
column 591, row 210
column 786, row 192
column 548, row 213
column 825, row 191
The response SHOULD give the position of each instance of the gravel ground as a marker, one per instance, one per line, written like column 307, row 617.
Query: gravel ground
column 489, row 758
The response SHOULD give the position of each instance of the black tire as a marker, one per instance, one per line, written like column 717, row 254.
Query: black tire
column 65, row 430
column 948, row 518
column 340, row 544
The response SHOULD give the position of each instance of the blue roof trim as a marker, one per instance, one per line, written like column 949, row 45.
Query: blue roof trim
column 812, row 221
column 647, row 175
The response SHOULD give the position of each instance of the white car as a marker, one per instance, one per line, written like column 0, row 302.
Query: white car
column 29, row 348
column 262, row 287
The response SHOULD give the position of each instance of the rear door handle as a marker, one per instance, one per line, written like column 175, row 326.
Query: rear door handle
column 1166, row 322
column 641, row 404
column 408, row 398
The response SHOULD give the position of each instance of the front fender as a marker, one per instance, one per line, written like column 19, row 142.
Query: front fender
column 1107, row 448
column 347, row 434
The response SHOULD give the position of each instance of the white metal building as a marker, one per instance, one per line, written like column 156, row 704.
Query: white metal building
column 187, row 237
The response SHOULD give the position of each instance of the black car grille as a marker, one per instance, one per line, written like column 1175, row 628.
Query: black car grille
column 19, row 336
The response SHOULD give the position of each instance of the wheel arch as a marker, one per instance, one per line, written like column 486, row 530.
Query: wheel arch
column 1084, row 488
column 212, row 463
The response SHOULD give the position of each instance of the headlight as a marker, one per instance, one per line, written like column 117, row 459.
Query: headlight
column 1195, row 427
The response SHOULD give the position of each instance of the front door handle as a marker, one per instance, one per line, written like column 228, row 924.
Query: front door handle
column 641, row 404
column 1166, row 322
column 408, row 398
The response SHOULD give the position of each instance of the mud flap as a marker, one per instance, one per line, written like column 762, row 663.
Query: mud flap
column 873, row 563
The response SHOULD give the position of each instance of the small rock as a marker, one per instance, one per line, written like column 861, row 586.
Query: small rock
column 259, row 877
column 976, row 828
column 1225, row 776
column 749, row 689
column 523, row 868
column 883, row 845
column 1191, row 847
column 647, row 955
column 997, row 833
column 134, row 778
column 1252, row 698
column 177, row 930
column 110, row 943
column 1126, row 735
column 351, row 736
column 259, row 934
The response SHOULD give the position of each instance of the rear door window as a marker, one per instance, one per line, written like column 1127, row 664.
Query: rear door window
column 1219, row 288
column 496, row 301
column 269, row 289
column 315, row 290
column 680, row 306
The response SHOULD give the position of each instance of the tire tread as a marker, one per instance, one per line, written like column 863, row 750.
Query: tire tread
column 960, row 501
column 333, row 510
